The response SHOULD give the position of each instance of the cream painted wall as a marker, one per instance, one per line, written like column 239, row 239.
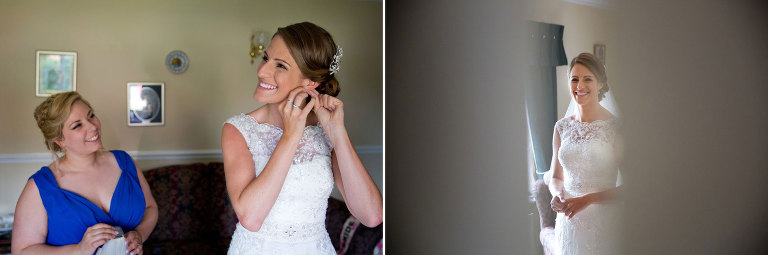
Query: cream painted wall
column 121, row 42
column 584, row 27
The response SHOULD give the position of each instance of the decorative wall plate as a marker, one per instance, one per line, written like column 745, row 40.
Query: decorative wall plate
column 177, row 62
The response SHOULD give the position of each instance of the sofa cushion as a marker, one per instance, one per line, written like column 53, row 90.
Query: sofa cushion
column 192, row 202
column 187, row 247
column 364, row 239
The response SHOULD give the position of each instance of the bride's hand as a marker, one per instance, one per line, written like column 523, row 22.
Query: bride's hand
column 576, row 204
column 329, row 111
column 557, row 204
column 294, row 116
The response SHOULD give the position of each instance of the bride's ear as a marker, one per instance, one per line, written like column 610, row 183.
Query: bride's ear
column 310, row 85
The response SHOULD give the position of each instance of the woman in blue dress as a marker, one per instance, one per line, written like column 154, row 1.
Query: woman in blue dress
column 72, row 205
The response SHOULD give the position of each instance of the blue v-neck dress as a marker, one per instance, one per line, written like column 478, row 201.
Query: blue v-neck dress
column 70, row 214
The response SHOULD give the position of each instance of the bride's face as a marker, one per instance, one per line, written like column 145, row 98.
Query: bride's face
column 278, row 73
column 584, row 85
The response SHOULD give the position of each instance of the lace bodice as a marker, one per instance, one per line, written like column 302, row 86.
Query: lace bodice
column 589, row 165
column 298, row 215
column 587, row 155
column 262, row 139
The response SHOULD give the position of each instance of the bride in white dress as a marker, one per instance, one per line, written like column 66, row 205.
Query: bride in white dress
column 282, row 159
column 585, row 161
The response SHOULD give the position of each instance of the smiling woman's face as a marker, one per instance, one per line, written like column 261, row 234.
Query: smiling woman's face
column 585, row 88
column 81, row 132
column 278, row 73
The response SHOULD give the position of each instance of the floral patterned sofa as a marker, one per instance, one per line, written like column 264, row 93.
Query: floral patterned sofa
column 196, row 217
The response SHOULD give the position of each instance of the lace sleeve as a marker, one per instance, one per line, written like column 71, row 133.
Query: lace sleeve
column 241, row 124
column 559, row 128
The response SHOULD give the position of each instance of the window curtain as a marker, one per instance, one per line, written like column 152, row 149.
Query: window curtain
column 547, row 52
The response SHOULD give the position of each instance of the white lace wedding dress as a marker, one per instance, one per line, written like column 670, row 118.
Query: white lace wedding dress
column 589, row 165
column 296, row 222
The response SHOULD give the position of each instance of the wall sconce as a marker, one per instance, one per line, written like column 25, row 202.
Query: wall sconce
column 257, row 45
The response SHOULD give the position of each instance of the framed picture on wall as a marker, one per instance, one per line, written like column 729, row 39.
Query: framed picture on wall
column 146, row 104
column 55, row 71
column 600, row 52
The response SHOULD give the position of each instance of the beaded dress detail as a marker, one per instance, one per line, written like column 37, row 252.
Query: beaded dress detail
column 296, row 222
column 589, row 165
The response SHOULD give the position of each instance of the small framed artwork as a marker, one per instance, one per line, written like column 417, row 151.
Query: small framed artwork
column 55, row 71
column 600, row 52
column 146, row 104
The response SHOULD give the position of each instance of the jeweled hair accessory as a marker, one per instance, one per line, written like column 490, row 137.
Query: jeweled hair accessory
column 335, row 63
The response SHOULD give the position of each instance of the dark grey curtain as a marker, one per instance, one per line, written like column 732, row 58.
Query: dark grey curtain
column 547, row 53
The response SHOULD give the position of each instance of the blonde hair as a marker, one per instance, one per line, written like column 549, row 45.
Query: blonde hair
column 51, row 114
column 596, row 67
column 313, row 49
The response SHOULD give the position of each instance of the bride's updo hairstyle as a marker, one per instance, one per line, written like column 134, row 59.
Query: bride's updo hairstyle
column 596, row 67
column 313, row 49
column 51, row 114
